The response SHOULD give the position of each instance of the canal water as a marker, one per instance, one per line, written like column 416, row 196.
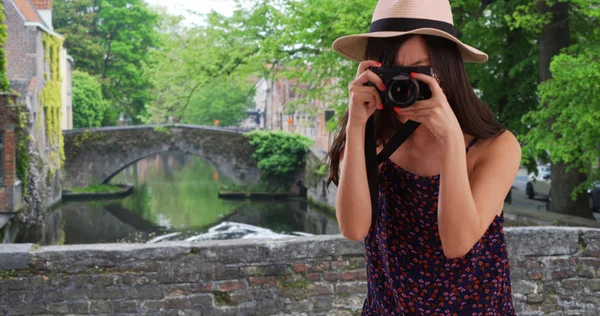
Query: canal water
column 177, row 194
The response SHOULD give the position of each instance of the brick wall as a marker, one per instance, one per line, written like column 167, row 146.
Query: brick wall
column 556, row 271
column 8, row 120
column 20, row 46
column 3, row 198
column 9, row 158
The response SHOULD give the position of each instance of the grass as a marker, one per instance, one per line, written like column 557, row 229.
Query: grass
column 100, row 188
column 253, row 188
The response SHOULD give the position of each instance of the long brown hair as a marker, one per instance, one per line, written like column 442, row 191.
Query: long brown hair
column 474, row 115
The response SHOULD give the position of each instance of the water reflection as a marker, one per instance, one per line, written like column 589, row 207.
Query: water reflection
column 176, row 192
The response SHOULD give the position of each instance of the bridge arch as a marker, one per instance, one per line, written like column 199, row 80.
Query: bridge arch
column 96, row 155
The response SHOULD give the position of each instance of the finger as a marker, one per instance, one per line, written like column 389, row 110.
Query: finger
column 369, row 76
column 367, row 89
column 365, row 99
column 417, row 106
column 434, row 86
column 364, row 65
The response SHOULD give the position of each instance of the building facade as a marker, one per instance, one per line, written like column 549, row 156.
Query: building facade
column 278, row 107
column 33, row 50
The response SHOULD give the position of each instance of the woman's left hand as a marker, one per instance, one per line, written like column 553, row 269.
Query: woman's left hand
column 434, row 112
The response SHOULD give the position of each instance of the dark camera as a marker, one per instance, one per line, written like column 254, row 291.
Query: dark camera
column 402, row 90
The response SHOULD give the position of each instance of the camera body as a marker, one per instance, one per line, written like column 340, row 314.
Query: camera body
column 402, row 90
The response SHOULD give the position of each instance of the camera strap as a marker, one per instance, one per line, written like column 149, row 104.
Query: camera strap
column 373, row 159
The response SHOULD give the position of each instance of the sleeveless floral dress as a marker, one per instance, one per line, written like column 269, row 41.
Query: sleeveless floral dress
column 408, row 273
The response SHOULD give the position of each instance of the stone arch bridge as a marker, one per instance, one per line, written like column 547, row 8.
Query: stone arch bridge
column 95, row 155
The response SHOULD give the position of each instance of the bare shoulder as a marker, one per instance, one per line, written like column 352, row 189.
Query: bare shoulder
column 504, row 147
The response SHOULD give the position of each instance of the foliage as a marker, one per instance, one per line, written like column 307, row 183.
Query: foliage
column 572, row 103
column 22, row 150
column 111, row 39
column 4, row 84
column 262, row 187
column 201, row 73
column 268, row 39
column 226, row 99
column 322, row 170
column 88, row 103
column 100, row 188
column 567, row 123
column 278, row 153
column 513, row 58
column 51, row 99
column 22, row 166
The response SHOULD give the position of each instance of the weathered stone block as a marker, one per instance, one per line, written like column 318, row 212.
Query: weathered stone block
column 14, row 256
column 542, row 241
column 175, row 303
column 524, row 287
column 99, row 307
column 322, row 303
column 152, row 306
column 79, row 308
column 235, row 285
column 593, row 285
column 260, row 308
column 331, row 276
column 226, row 273
column 359, row 287
column 143, row 292
column 201, row 301
column 124, row 306
column 340, row 246
column 535, row 298
column 563, row 274
column 265, row 282
column 320, row 289
column 313, row 277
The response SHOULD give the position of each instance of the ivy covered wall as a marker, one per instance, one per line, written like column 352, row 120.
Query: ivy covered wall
column 51, row 100
column 4, row 84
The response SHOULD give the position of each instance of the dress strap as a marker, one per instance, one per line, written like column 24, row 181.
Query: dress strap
column 471, row 144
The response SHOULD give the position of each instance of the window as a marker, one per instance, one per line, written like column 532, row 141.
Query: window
column 328, row 115
column 1, row 157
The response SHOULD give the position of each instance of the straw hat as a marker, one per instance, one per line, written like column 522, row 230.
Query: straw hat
column 399, row 17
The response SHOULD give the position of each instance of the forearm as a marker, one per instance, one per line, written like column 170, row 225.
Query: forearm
column 352, row 205
column 458, row 220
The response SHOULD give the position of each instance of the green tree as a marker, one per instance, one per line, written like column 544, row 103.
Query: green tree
column 226, row 99
column 513, row 58
column 88, row 104
column 566, row 124
column 78, row 20
column 201, row 72
column 112, row 39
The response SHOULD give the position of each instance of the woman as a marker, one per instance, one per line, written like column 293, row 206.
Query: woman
column 436, row 243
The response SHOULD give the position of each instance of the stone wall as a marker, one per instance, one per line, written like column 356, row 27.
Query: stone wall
column 318, row 192
column 95, row 155
column 556, row 271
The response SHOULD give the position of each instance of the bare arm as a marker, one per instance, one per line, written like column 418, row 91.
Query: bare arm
column 352, row 204
column 468, row 205
column 353, row 200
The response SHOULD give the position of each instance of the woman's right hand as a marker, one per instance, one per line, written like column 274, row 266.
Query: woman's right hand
column 364, row 100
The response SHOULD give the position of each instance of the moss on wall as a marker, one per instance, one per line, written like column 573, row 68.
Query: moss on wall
column 51, row 100
column 4, row 83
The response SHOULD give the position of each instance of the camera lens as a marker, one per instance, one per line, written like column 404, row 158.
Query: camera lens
column 402, row 93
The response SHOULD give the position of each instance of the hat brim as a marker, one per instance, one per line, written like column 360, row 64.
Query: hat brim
column 354, row 46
